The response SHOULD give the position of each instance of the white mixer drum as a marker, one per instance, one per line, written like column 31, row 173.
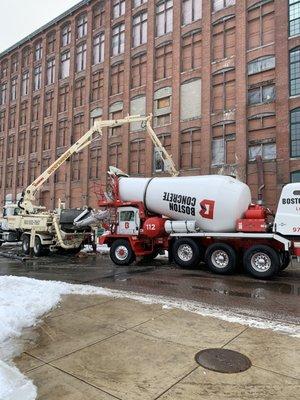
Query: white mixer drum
column 216, row 202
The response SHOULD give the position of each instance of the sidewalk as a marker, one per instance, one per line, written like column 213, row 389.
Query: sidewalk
column 99, row 348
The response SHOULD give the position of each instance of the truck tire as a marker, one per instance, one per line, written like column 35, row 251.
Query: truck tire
column 261, row 261
column 38, row 248
column 26, row 244
column 121, row 252
column 186, row 253
column 221, row 258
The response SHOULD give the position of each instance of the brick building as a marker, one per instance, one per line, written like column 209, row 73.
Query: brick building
column 221, row 77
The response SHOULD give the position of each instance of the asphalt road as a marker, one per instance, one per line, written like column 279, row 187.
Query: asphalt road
column 276, row 299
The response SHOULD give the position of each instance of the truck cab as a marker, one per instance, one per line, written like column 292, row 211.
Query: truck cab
column 6, row 233
column 128, row 221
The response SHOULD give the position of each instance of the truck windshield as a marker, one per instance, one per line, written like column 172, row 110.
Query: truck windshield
column 127, row 216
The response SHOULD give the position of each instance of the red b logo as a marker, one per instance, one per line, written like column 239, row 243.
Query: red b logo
column 207, row 209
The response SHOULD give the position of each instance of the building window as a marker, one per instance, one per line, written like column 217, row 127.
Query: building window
column 267, row 151
column 21, row 143
column 190, row 149
column 1, row 176
column 49, row 99
column 10, row 146
column 66, row 35
column 295, row 177
column 9, row 176
column 223, row 91
column 295, row 132
column 95, row 163
column 137, row 107
column 190, row 110
column 20, row 174
column 65, row 65
column 139, row 29
column 116, row 112
column 81, row 26
column 118, row 8
column 162, row 107
column 158, row 163
column 14, row 64
column 164, row 17
column 47, row 137
column 223, row 41
column 76, row 162
column 3, row 94
column 115, row 155
column 191, row 51
column 37, row 83
column 295, row 72
column 12, row 118
column 33, row 140
column 138, row 70
column 1, row 148
column 38, row 51
column 78, row 128
column 294, row 17
column 98, row 48
column 163, row 61
column 220, row 4
column 223, row 144
column 191, row 11
column 32, row 170
column 51, row 42
column 62, row 133
column 13, row 89
column 97, row 85
column 25, row 84
column 25, row 57
column 2, row 120
column 218, row 151
column 79, row 93
column 118, row 39
column 262, row 94
column 63, row 97
column 45, row 163
column 50, row 71
column 261, row 24
column 137, row 157
column 35, row 108
column 98, row 15
column 81, row 57
column 117, row 78
column 4, row 69
column 137, row 3
column 23, row 113
column 261, row 64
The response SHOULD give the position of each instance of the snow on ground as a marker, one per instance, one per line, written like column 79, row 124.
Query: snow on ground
column 23, row 301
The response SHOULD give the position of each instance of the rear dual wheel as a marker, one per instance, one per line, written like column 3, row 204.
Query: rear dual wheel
column 38, row 249
column 262, row 261
column 187, row 253
column 221, row 258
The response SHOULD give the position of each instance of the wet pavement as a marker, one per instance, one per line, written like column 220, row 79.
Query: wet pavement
column 276, row 299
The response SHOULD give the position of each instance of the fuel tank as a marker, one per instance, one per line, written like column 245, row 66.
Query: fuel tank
column 215, row 202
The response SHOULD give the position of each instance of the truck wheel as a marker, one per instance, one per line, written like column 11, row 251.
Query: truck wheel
column 220, row 258
column 121, row 252
column 38, row 248
column 26, row 244
column 186, row 253
column 261, row 261
column 285, row 260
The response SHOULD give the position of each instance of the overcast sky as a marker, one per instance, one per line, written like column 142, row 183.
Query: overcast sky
column 19, row 18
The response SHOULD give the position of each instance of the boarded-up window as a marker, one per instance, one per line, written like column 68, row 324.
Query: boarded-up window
column 163, row 61
column 137, row 107
column 224, row 38
column 190, row 109
column 137, row 157
column 139, row 70
column 162, row 106
column 223, row 91
column 191, row 51
column 190, row 149
column 261, row 24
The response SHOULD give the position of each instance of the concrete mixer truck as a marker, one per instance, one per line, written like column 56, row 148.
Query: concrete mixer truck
column 197, row 219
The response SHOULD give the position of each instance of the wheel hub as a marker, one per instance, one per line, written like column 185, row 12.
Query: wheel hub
column 261, row 262
column 121, row 253
column 185, row 252
column 220, row 259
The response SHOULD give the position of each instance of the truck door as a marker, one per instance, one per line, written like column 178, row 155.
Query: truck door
column 128, row 221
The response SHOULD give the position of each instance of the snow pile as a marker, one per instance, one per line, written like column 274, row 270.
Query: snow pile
column 23, row 301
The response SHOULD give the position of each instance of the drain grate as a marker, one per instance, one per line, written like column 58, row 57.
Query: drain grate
column 223, row 360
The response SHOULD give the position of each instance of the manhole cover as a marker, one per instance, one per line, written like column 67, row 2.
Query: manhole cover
column 223, row 360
